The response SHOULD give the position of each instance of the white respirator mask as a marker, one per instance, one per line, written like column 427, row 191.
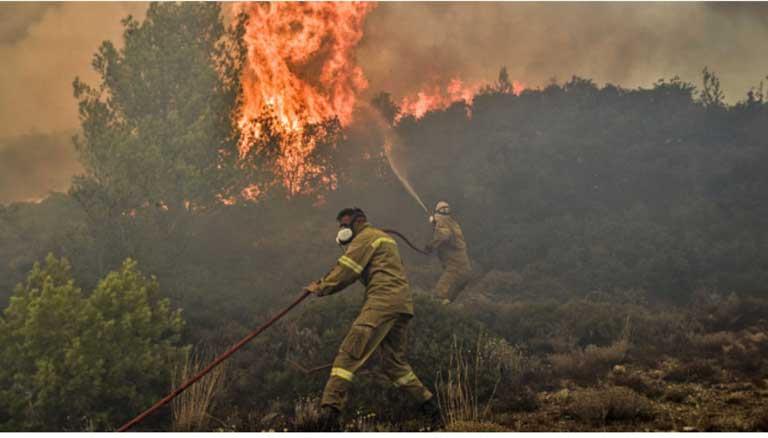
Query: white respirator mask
column 345, row 235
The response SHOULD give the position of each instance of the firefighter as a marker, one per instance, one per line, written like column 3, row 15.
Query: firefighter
column 448, row 241
column 372, row 257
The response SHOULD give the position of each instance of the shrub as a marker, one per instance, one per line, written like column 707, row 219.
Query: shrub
column 306, row 414
column 732, row 312
column 458, row 394
column 69, row 361
column 676, row 394
column 191, row 409
column 310, row 339
column 589, row 364
column 697, row 371
column 637, row 383
column 601, row 406
column 592, row 322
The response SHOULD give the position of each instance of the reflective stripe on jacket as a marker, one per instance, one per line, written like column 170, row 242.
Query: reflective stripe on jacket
column 373, row 258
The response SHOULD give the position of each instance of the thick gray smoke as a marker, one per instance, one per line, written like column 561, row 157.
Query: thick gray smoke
column 43, row 47
column 34, row 164
column 630, row 44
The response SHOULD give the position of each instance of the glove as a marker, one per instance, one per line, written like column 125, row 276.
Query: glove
column 313, row 288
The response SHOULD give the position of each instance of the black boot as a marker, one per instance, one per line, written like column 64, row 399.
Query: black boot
column 330, row 419
column 431, row 412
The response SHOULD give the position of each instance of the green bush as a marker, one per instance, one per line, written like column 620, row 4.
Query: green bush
column 70, row 361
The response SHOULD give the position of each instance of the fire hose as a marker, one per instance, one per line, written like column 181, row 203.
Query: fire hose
column 162, row 402
column 405, row 239
column 232, row 350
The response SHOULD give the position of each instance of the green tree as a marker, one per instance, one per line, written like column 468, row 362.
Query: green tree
column 70, row 361
column 159, row 136
column 712, row 96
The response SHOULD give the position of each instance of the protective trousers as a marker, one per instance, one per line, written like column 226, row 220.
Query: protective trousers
column 372, row 331
column 451, row 282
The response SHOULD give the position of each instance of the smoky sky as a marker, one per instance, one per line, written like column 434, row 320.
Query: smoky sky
column 31, row 165
column 628, row 44
column 17, row 18
column 406, row 46
column 43, row 46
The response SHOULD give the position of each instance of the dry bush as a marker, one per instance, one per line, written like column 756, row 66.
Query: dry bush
column 306, row 413
column 657, row 332
column 732, row 312
column 676, row 394
column 509, row 372
column 588, row 364
column 473, row 378
column 601, row 406
column 727, row 423
column 697, row 371
column 748, row 353
column 637, row 383
column 190, row 410
column 712, row 342
column 457, row 394
column 741, row 351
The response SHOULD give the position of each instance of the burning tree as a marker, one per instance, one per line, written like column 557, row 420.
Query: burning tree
column 300, row 85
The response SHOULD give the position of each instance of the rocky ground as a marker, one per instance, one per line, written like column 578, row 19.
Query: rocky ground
column 647, row 403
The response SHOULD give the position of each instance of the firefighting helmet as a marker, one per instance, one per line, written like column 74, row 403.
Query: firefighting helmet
column 443, row 208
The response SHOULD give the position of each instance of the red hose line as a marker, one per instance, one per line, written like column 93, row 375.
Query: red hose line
column 160, row 403
column 221, row 358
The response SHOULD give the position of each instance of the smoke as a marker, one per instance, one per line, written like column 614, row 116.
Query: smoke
column 371, row 125
column 390, row 143
column 629, row 44
column 407, row 46
column 16, row 19
column 32, row 165
column 43, row 48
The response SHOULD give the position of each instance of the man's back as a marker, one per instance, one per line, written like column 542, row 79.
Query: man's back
column 452, row 250
column 386, row 286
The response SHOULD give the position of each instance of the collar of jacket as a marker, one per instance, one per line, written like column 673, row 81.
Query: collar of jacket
column 358, row 228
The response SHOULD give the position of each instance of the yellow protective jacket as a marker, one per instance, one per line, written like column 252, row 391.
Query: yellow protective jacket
column 448, row 240
column 373, row 258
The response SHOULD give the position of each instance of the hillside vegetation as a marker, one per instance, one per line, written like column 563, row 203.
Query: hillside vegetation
column 620, row 240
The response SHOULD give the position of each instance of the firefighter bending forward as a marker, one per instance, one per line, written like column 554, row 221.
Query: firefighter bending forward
column 372, row 257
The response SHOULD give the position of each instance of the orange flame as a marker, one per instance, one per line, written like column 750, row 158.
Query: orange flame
column 301, row 67
column 435, row 97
